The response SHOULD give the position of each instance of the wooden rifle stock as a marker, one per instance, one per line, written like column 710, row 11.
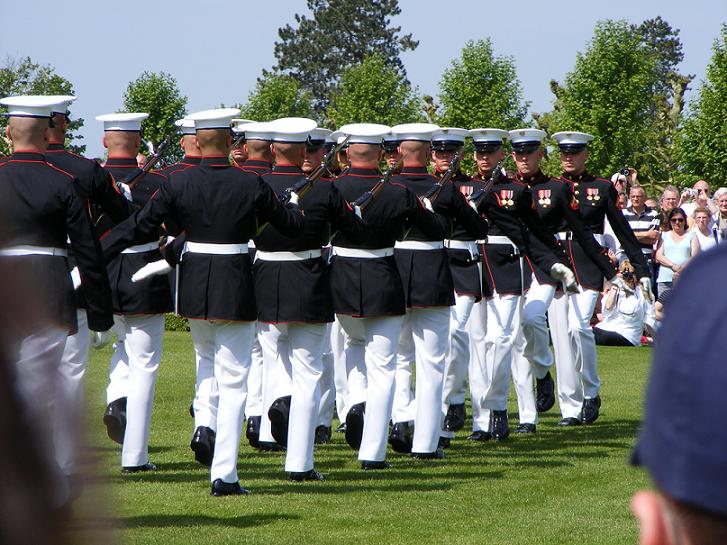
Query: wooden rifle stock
column 478, row 196
column 436, row 189
column 134, row 178
column 367, row 198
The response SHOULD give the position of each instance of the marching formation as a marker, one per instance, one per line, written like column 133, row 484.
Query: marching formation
column 311, row 280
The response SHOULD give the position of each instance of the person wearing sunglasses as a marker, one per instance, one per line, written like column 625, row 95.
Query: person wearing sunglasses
column 676, row 247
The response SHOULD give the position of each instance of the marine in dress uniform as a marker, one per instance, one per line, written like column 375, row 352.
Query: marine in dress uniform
column 238, row 151
column 578, row 382
column 216, row 290
column 391, row 150
column 41, row 209
column 558, row 209
column 258, row 139
column 188, row 143
column 423, row 264
column 368, row 295
column 294, row 300
column 96, row 186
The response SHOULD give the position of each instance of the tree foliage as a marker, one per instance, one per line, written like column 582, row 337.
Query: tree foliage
column 702, row 148
column 25, row 77
column 158, row 95
column 374, row 92
column 339, row 34
column 612, row 94
column 275, row 96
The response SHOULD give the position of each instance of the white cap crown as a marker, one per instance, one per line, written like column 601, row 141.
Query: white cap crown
column 130, row 122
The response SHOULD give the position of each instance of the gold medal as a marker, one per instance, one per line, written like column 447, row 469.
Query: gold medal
column 589, row 197
column 597, row 197
column 510, row 202
column 547, row 201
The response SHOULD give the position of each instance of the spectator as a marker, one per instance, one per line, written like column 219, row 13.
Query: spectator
column 682, row 442
column 644, row 222
column 719, row 220
column 624, row 312
column 652, row 203
column 706, row 237
column 675, row 249
column 698, row 196
column 669, row 200
column 622, row 182
column 621, row 200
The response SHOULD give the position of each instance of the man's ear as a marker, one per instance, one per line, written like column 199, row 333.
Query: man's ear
column 105, row 144
column 650, row 510
column 7, row 133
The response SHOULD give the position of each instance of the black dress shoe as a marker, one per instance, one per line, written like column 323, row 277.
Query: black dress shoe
column 545, row 393
column 436, row 455
column 400, row 438
column 480, row 435
column 191, row 409
column 139, row 469
column 525, row 427
column 368, row 465
column 590, row 410
column 355, row 425
column 310, row 475
column 456, row 414
column 444, row 442
column 252, row 431
column 203, row 445
column 279, row 413
column 341, row 428
column 269, row 446
column 115, row 420
column 500, row 425
column 570, row 421
column 221, row 488
column 323, row 435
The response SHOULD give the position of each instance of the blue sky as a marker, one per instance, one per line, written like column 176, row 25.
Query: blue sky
column 216, row 49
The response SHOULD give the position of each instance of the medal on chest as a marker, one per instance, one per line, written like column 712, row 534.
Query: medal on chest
column 544, row 197
column 592, row 194
column 506, row 197
column 466, row 190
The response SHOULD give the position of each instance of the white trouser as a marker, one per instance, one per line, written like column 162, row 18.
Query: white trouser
column 139, row 349
column 503, row 313
column 254, row 406
column 276, row 381
column 575, row 350
column 70, row 389
column 300, row 346
column 340, row 375
column 477, row 368
column 228, row 345
column 429, row 329
column 535, row 329
column 371, row 362
column 524, row 380
column 38, row 359
column 404, row 408
column 328, row 385
column 206, row 392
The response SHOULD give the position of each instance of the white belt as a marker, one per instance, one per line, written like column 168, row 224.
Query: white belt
column 141, row 248
column 564, row 235
column 32, row 250
column 287, row 256
column 568, row 235
column 215, row 249
column 419, row 245
column 459, row 244
column 499, row 239
column 361, row 253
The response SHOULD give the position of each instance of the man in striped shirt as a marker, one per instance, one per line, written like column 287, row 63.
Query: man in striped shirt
column 644, row 222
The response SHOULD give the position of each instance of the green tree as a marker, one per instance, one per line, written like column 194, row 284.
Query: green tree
column 480, row 89
column 337, row 35
column 374, row 92
column 158, row 95
column 702, row 148
column 275, row 96
column 611, row 93
column 25, row 77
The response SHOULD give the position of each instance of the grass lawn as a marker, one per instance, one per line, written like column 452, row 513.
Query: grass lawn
column 558, row 486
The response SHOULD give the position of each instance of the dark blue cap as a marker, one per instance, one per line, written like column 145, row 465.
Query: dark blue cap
column 683, row 440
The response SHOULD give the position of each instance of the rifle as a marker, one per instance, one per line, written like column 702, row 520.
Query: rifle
column 304, row 185
column 132, row 179
column 478, row 196
column 238, row 139
column 367, row 198
column 436, row 189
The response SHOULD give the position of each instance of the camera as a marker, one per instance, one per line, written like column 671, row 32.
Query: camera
column 691, row 192
column 627, row 275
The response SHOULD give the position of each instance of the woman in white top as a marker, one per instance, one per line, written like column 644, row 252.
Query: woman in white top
column 702, row 222
column 624, row 312
column 676, row 247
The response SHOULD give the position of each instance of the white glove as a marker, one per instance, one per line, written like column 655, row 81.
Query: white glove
column 126, row 191
column 99, row 339
column 619, row 283
column 357, row 211
column 427, row 204
column 646, row 289
column 153, row 268
column 560, row 272
column 76, row 278
column 293, row 197
column 473, row 205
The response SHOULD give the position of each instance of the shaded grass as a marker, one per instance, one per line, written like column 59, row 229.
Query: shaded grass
column 558, row 486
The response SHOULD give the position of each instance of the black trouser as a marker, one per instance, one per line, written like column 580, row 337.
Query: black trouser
column 609, row 338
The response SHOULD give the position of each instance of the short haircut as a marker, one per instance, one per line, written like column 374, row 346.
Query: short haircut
column 701, row 210
column 638, row 188
column 669, row 189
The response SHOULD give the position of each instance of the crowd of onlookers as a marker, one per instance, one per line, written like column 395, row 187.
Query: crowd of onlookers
column 671, row 231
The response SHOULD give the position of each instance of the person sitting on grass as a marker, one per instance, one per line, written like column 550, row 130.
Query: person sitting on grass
column 624, row 312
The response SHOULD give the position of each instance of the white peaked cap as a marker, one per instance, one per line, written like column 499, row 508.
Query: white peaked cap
column 130, row 122
column 527, row 135
column 64, row 101
column 420, row 132
column 488, row 135
column 219, row 118
column 186, row 126
column 30, row 105
column 573, row 138
column 258, row 130
column 292, row 129
column 450, row 134
column 319, row 133
column 336, row 137
column 238, row 125
column 364, row 133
